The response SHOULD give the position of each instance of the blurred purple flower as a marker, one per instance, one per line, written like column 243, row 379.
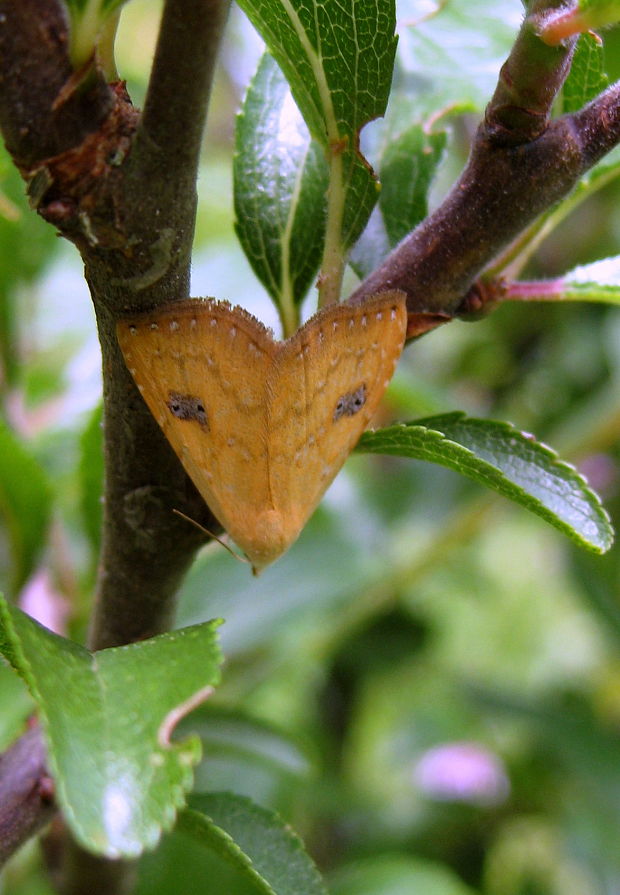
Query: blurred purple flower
column 462, row 772
column 601, row 471
column 44, row 603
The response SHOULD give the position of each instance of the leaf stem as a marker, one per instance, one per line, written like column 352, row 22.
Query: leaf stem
column 84, row 32
column 332, row 265
column 535, row 290
column 287, row 307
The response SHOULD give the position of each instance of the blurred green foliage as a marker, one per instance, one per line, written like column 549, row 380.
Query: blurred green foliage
column 415, row 612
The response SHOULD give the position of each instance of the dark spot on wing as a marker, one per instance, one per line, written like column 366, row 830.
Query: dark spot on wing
column 187, row 407
column 350, row 403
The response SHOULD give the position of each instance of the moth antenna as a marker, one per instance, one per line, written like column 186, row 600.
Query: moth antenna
column 232, row 552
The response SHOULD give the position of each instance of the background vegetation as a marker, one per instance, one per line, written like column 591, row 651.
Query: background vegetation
column 427, row 686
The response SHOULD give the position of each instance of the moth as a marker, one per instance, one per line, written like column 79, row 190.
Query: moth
column 263, row 426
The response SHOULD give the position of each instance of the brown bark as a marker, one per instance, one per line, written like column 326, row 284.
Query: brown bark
column 122, row 188
column 26, row 792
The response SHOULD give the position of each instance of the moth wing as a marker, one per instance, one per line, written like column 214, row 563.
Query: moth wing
column 337, row 368
column 201, row 367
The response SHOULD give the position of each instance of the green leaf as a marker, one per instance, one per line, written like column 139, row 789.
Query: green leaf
column 246, row 755
column 599, row 281
column 91, row 477
column 203, row 870
column 108, row 717
column 396, row 874
column 90, row 22
column 587, row 77
column 408, row 167
column 450, row 61
column 358, row 196
column 599, row 584
column 507, row 461
column 92, row 7
column 264, row 611
column 15, row 705
column 254, row 840
column 280, row 182
column 338, row 61
column 25, row 505
column 28, row 243
column 372, row 246
column 601, row 9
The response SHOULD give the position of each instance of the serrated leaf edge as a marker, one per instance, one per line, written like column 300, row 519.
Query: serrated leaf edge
column 273, row 817
column 189, row 750
column 556, row 462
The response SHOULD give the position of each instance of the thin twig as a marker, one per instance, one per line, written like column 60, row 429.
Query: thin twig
column 181, row 78
column 146, row 547
column 34, row 68
column 520, row 165
column 26, row 796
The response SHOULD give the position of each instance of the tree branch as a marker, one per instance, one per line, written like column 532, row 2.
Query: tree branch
column 528, row 82
column 181, row 78
column 520, row 165
column 501, row 191
column 34, row 67
column 146, row 548
column 26, row 802
column 123, row 191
